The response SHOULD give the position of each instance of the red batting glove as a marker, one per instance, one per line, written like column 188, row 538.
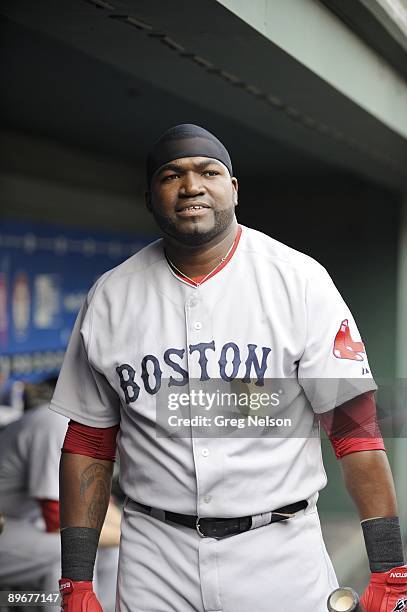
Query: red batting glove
column 387, row 591
column 78, row 596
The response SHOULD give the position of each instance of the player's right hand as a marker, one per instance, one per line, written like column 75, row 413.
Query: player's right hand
column 78, row 596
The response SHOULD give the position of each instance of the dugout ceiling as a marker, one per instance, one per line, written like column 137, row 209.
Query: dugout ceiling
column 111, row 75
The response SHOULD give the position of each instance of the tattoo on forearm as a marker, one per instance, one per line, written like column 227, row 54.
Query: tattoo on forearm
column 95, row 492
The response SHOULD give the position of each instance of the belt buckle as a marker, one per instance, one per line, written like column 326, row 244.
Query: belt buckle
column 202, row 535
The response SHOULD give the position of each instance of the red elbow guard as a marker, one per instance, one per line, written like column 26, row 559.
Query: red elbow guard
column 96, row 442
column 353, row 426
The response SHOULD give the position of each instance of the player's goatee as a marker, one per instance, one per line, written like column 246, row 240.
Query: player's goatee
column 198, row 234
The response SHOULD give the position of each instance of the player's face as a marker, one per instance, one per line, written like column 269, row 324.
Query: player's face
column 193, row 199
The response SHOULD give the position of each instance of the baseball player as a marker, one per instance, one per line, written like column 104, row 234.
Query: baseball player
column 30, row 555
column 219, row 517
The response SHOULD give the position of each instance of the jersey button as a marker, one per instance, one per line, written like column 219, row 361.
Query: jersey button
column 205, row 452
column 193, row 302
column 197, row 325
column 207, row 499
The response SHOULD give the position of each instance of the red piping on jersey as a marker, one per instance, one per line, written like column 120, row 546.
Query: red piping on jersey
column 96, row 442
column 352, row 427
column 198, row 279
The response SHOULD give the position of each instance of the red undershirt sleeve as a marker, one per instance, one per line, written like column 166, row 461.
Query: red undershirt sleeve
column 96, row 442
column 353, row 426
column 50, row 513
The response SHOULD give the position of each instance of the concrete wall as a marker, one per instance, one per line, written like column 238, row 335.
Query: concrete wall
column 46, row 181
column 316, row 37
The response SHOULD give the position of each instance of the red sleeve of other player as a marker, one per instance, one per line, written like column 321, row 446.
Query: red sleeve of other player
column 353, row 426
column 50, row 512
column 96, row 442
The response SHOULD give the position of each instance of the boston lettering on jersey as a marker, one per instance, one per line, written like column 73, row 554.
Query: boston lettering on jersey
column 230, row 359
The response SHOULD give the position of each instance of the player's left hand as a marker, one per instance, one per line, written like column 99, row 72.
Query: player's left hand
column 387, row 591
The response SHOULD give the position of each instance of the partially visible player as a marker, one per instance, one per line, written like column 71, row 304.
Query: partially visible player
column 30, row 556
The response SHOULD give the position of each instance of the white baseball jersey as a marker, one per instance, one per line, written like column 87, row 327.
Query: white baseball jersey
column 145, row 340
column 30, row 450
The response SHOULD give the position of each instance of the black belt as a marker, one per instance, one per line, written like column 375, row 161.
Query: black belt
column 209, row 527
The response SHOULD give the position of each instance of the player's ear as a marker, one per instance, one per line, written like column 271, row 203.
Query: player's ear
column 147, row 199
column 235, row 187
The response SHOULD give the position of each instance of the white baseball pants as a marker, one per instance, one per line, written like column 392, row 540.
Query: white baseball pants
column 165, row 567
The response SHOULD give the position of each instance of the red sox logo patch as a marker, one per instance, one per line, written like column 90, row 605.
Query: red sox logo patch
column 345, row 347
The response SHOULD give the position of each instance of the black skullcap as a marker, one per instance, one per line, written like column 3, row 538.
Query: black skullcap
column 186, row 140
